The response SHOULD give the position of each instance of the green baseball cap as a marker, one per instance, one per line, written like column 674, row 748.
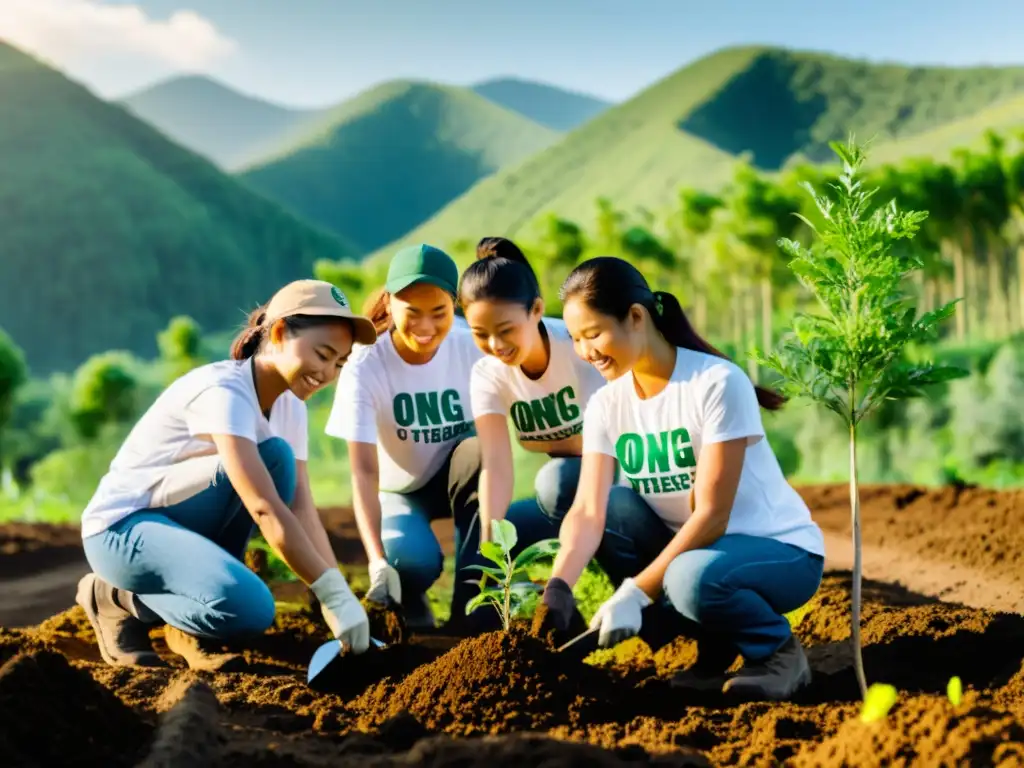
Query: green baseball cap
column 422, row 264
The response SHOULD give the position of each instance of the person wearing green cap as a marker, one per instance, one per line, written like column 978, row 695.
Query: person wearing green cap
column 403, row 406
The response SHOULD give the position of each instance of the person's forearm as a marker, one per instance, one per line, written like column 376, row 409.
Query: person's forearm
column 311, row 523
column 579, row 537
column 368, row 514
column 701, row 530
column 287, row 537
column 495, row 497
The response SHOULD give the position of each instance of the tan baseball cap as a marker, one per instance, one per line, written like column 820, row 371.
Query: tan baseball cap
column 316, row 297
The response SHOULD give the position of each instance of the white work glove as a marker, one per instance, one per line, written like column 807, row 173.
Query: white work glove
column 384, row 583
column 342, row 611
column 619, row 616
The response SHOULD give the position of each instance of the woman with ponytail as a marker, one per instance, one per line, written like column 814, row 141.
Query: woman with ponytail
column 529, row 373
column 222, row 448
column 708, row 537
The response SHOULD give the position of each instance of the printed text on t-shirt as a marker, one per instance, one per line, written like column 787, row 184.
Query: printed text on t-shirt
column 667, row 458
column 430, row 417
column 548, row 412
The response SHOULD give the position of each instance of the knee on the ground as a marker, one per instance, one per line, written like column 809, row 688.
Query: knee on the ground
column 279, row 459
column 418, row 566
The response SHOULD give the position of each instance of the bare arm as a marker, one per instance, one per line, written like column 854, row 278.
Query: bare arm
column 278, row 524
column 496, row 474
column 583, row 526
column 365, row 487
column 712, row 499
column 305, row 509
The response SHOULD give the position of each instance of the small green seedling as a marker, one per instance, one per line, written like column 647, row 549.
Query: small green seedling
column 506, row 594
column 955, row 691
column 880, row 699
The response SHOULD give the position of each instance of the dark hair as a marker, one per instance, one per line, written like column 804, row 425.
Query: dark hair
column 611, row 286
column 500, row 273
column 249, row 341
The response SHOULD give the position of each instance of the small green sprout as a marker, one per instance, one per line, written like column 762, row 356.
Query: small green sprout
column 880, row 699
column 506, row 594
column 955, row 691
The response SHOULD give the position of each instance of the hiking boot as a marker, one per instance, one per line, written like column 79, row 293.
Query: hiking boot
column 777, row 677
column 123, row 639
column 418, row 613
column 201, row 653
column 710, row 671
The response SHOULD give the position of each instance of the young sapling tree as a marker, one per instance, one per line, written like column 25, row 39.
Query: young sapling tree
column 507, row 593
column 850, row 356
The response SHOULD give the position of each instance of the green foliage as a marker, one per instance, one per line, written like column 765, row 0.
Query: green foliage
column 507, row 592
column 849, row 356
column 879, row 700
column 105, row 391
column 382, row 163
column 181, row 346
column 13, row 372
column 108, row 229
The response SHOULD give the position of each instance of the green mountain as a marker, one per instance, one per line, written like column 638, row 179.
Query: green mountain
column 548, row 105
column 780, row 106
column 378, row 165
column 213, row 120
column 108, row 229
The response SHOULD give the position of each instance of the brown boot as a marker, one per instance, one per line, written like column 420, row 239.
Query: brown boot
column 122, row 638
column 202, row 653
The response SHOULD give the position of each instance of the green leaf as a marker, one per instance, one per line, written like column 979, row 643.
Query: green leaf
column 491, row 594
column 504, row 534
column 879, row 700
column 495, row 573
column 522, row 588
column 535, row 552
column 493, row 552
column 955, row 691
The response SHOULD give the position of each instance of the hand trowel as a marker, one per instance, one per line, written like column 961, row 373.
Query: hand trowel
column 326, row 655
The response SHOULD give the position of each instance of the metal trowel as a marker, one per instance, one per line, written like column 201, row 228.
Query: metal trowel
column 326, row 655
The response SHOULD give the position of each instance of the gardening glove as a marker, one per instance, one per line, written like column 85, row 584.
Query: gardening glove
column 560, row 602
column 341, row 610
column 384, row 583
column 619, row 617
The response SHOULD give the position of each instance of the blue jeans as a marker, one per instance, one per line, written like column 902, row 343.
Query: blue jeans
column 184, row 562
column 411, row 547
column 732, row 593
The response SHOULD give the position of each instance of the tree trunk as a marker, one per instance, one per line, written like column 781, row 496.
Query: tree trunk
column 960, row 291
column 767, row 334
column 1020, row 285
column 858, row 660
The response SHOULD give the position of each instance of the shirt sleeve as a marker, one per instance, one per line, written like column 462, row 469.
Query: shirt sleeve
column 221, row 410
column 730, row 407
column 294, row 428
column 485, row 393
column 595, row 429
column 353, row 415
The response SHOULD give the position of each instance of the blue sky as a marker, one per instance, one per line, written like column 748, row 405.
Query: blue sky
column 315, row 52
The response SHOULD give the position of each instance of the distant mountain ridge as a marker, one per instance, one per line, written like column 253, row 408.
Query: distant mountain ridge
column 549, row 105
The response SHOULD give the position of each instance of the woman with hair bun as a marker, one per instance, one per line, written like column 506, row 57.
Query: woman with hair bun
column 222, row 448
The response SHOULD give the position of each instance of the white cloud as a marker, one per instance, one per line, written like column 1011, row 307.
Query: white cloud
column 72, row 33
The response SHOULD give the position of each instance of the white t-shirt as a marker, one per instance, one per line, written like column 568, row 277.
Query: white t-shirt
column 545, row 411
column 218, row 398
column 658, row 442
column 414, row 414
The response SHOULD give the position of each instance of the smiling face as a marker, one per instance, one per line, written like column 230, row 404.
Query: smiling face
column 310, row 358
column 504, row 329
column 610, row 345
column 423, row 314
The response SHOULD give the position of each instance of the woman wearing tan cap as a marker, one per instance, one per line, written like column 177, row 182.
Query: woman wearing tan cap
column 223, row 446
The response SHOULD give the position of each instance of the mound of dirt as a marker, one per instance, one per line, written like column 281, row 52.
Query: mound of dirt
column 497, row 682
column 31, row 547
column 924, row 730
column 55, row 714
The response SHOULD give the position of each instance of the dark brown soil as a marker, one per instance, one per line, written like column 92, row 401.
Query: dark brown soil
column 504, row 700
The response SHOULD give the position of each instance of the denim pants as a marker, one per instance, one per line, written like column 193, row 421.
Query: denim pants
column 731, row 593
column 184, row 561
column 411, row 547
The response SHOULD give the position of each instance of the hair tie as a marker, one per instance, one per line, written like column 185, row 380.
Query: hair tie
column 658, row 306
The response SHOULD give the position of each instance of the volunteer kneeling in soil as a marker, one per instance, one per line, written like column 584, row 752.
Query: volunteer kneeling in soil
column 222, row 446
column 403, row 406
column 531, row 373
column 733, row 552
